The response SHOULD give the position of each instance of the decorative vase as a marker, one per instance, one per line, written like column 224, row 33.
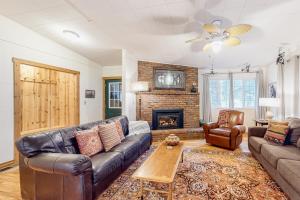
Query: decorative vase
column 172, row 140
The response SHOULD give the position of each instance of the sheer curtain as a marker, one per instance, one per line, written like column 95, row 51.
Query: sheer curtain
column 206, row 103
column 260, row 93
column 231, row 97
column 281, row 93
column 297, row 82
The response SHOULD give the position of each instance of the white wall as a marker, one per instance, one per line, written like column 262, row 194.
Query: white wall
column 129, row 75
column 289, row 84
column 18, row 41
column 111, row 71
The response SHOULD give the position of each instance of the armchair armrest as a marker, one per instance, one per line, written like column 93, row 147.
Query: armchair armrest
column 60, row 163
column 257, row 131
column 237, row 129
column 208, row 126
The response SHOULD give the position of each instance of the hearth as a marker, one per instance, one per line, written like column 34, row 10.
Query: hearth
column 167, row 119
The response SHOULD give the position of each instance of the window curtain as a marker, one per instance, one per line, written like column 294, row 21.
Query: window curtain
column 281, row 94
column 297, row 82
column 206, row 104
column 260, row 93
column 231, row 97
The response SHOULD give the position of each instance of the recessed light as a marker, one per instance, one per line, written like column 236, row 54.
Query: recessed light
column 70, row 33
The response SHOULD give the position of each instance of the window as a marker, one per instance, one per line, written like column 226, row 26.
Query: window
column 244, row 92
column 219, row 93
column 115, row 95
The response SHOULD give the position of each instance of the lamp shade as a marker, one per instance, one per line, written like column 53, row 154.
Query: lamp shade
column 140, row 86
column 268, row 102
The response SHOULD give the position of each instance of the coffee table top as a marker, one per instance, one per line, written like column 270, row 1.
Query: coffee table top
column 162, row 164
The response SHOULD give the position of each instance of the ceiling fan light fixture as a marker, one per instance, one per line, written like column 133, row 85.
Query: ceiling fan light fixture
column 71, row 34
column 216, row 46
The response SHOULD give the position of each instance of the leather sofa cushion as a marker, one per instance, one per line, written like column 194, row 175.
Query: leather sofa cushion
column 221, row 131
column 105, row 164
column 290, row 172
column 273, row 153
column 129, row 148
column 257, row 142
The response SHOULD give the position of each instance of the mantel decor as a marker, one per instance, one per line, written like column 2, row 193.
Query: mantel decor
column 169, row 79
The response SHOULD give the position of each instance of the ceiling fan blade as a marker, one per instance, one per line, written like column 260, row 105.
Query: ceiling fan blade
column 238, row 29
column 196, row 39
column 210, row 28
column 232, row 41
column 207, row 47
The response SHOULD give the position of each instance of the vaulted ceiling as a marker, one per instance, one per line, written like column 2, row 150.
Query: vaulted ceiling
column 156, row 30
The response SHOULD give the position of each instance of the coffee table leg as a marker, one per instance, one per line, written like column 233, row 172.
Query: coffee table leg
column 182, row 157
column 170, row 191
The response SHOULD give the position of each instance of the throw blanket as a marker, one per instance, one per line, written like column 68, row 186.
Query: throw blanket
column 138, row 127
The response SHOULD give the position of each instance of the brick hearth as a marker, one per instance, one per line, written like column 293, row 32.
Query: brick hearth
column 169, row 99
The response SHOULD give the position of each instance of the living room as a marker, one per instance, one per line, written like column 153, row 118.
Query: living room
column 161, row 99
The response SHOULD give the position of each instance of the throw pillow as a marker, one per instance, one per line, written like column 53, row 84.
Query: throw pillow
column 295, row 136
column 223, row 120
column 277, row 133
column 294, row 123
column 109, row 135
column 89, row 142
column 120, row 130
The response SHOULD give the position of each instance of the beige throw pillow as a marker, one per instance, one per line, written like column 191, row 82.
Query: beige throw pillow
column 109, row 135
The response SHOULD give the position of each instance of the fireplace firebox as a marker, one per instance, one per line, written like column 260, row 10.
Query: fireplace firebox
column 167, row 119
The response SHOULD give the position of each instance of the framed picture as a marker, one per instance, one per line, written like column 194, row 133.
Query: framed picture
column 272, row 90
column 90, row 94
column 169, row 79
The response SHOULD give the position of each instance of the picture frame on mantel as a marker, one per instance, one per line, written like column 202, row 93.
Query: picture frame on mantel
column 169, row 79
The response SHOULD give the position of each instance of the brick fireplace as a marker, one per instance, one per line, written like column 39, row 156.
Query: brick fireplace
column 169, row 99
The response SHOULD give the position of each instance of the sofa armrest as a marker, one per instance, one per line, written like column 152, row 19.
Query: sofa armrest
column 256, row 131
column 60, row 163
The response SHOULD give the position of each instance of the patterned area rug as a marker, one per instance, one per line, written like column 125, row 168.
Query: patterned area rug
column 206, row 173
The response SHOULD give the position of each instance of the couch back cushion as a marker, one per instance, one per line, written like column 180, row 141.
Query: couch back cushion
column 124, row 122
column 109, row 135
column 277, row 133
column 89, row 142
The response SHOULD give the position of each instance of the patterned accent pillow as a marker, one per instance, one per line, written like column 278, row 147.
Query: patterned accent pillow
column 120, row 130
column 223, row 120
column 109, row 135
column 277, row 133
column 89, row 142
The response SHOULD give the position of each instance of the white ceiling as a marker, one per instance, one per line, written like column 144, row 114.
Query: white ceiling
column 156, row 30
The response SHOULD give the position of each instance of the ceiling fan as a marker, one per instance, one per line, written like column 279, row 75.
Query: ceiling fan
column 216, row 36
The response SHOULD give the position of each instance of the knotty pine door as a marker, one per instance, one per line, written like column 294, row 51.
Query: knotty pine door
column 48, row 98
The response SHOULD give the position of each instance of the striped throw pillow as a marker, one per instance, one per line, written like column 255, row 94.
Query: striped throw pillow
column 120, row 130
column 109, row 135
column 277, row 133
column 89, row 142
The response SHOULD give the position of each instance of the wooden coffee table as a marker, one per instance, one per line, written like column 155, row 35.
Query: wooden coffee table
column 160, row 167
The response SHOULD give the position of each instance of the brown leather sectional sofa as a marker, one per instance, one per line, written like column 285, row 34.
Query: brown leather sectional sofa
column 52, row 168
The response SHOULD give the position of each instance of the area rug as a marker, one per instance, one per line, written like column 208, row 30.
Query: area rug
column 206, row 173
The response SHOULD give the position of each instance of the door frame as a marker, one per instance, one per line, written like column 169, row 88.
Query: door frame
column 17, row 62
column 105, row 78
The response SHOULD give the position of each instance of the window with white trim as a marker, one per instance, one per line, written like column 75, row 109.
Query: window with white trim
column 244, row 91
column 115, row 94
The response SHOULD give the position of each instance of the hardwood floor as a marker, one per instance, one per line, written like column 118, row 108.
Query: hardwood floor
column 10, row 184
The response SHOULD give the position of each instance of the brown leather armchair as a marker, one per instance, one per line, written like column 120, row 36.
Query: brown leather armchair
column 226, row 133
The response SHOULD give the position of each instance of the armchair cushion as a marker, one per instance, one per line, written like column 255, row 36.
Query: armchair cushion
column 60, row 163
column 221, row 131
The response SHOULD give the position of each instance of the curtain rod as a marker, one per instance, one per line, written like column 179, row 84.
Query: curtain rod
column 229, row 73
